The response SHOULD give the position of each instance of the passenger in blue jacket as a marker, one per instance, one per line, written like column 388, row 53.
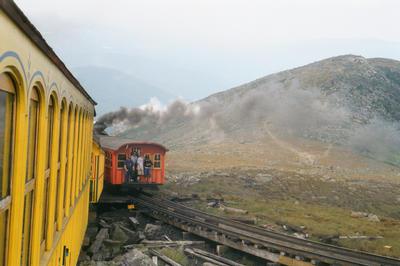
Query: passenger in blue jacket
column 147, row 166
column 128, row 166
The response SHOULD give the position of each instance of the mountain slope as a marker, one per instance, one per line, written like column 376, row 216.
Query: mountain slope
column 346, row 100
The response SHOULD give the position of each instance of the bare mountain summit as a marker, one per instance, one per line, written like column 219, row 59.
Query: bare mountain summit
column 347, row 100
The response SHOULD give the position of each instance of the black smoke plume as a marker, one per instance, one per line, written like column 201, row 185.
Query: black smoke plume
column 131, row 117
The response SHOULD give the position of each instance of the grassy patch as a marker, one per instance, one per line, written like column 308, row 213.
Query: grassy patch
column 328, row 221
column 176, row 255
column 320, row 219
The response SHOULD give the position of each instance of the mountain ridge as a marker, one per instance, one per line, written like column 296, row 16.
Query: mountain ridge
column 346, row 100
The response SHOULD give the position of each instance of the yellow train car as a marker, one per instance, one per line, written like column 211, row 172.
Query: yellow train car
column 46, row 121
column 97, row 176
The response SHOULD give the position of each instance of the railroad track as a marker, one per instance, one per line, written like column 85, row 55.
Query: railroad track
column 267, row 244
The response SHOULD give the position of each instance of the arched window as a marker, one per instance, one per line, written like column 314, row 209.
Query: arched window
column 79, row 162
column 84, row 149
column 60, row 189
column 31, row 174
column 157, row 161
column 68, row 156
column 46, row 195
column 74, row 144
column 7, row 118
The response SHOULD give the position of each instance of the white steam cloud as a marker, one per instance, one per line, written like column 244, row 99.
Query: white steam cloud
column 284, row 108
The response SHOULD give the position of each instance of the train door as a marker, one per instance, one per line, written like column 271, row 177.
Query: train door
column 96, row 182
column 156, row 168
column 7, row 131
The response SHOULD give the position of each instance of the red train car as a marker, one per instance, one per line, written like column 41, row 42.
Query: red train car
column 117, row 150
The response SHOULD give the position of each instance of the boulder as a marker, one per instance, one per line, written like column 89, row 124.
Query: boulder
column 106, row 252
column 369, row 216
column 98, row 256
column 136, row 238
column 141, row 235
column 133, row 237
column 113, row 247
column 127, row 230
column 104, row 224
column 118, row 234
column 212, row 204
column 135, row 258
column 96, row 245
column 299, row 235
column 358, row 214
column 373, row 218
column 152, row 231
column 134, row 222
column 91, row 231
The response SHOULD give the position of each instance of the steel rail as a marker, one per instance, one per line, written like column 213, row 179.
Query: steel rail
column 256, row 239
column 281, row 242
column 313, row 244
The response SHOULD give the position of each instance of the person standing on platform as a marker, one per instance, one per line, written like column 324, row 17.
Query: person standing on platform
column 128, row 166
column 147, row 166
column 140, row 165
column 134, row 159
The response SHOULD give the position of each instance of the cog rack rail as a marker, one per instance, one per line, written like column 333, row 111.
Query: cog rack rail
column 266, row 244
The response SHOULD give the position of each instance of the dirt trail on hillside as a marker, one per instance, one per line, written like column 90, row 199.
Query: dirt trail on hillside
column 304, row 157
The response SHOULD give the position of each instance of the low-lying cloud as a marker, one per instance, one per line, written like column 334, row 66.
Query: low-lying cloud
column 275, row 106
column 379, row 139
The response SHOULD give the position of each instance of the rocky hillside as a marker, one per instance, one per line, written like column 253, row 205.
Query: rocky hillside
column 346, row 100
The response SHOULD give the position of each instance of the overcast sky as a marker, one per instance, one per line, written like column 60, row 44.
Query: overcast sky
column 192, row 48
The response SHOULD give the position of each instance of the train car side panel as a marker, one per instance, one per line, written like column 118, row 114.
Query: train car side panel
column 69, row 241
column 41, row 104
